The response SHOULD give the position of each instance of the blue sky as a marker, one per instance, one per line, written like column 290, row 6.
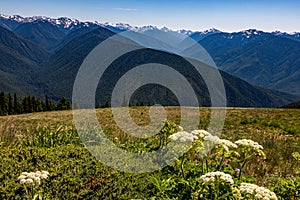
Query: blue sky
column 226, row 15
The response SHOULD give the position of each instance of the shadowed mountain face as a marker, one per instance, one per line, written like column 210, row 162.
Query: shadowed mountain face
column 61, row 70
column 260, row 58
column 20, row 61
column 41, row 33
column 64, row 65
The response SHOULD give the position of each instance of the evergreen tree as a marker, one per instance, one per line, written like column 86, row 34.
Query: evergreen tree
column 10, row 105
column 34, row 104
column 107, row 104
column 17, row 107
column 47, row 103
column 27, row 104
column 3, row 104
column 63, row 104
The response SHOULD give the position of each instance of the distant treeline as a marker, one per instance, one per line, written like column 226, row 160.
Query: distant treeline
column 12, row 104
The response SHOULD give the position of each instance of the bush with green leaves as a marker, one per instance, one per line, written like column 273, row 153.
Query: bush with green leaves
column 288, row 188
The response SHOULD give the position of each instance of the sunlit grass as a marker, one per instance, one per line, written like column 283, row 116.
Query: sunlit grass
column 53, row 136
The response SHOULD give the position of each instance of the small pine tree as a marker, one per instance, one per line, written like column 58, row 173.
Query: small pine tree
column 3, row 104
column 63, row 104
column 17, row 106
column 107, row 104
column 47, row 103
column 10, row 110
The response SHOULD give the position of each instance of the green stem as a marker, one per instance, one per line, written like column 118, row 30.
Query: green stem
column 202, row 165
column 182, row 165
column 27, row 195
column 243, row 165
column 221, row 161
column 32, row 192
column 211, row 193
column 217, row 188
column 166, row 139
column 206, row 162
column 241, row 170
column 160, row 138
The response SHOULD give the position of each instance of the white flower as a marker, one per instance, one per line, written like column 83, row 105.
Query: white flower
column 228, row 143
column 260, row 193
column 44, row 176
column 33, row 177
column 212, row 138
column 211, row 177
column 249, row 143
column 22, row 177
column 38, row 173
column 45, row 172
column 29, row 181
column 183, row 136
column 23, row 181
column 25, row 173
column 37, row 180
column 200, row 133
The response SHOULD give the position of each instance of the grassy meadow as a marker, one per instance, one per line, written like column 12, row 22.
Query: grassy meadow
column 49, row 141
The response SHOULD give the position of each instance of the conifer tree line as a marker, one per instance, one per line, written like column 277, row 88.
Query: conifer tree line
column 12, row 104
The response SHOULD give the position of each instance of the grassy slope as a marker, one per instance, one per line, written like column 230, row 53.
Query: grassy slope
column 76, row 174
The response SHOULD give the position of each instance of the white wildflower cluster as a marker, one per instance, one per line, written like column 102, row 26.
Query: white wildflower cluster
column 249, row 143
column 200, row 133
column 211, row 177
column 212, row 138
column 183, row 136
column 226, row 144
column 33, row 178
column 259, row 193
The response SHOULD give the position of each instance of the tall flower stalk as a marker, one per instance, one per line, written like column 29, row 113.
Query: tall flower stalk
column 248, row 150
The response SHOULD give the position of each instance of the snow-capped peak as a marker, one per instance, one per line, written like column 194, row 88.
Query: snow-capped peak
column 208, row 31
column 278, row 33
column 250, row 32
column 4, row 16
column 16, row 18
column 63, row 22
column 185, row 32
column 66, row 23
column 212, row 30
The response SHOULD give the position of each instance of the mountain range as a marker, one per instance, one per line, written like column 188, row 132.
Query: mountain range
column 41, row 55
column 66, row 25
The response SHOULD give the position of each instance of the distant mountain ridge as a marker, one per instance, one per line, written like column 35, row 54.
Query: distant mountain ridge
column 68, row 24
column 41, row 55
column 263, row 59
